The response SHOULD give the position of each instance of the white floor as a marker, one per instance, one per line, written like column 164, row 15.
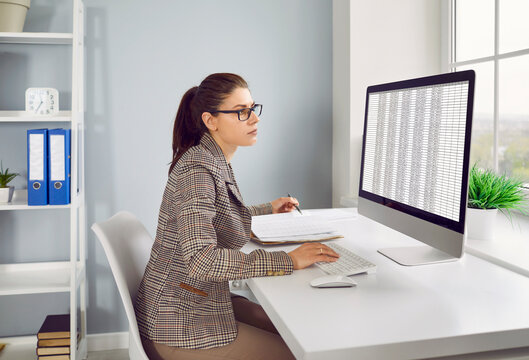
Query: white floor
column 109, row 355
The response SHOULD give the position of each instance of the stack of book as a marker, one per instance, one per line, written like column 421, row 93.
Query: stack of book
column 54, row 338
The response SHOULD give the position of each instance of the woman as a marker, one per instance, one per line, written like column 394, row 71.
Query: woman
column 184, row 306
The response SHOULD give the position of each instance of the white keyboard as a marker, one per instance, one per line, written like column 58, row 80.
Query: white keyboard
column 348, row 264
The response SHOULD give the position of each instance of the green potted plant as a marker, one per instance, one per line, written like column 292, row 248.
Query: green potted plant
column 6, row 192
column 489, row 192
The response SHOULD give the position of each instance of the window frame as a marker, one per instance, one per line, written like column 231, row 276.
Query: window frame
column 450, row 64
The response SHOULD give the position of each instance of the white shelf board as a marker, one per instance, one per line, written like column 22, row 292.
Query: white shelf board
column 20, row 202
column 19, row 348
column 23, row 205
column 36, row 38
column 22, row 116
column 37, row 278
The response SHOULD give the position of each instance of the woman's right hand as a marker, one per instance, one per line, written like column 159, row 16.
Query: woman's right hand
column 309, row 253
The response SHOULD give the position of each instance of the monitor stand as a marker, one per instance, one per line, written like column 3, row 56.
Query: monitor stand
column 416, row 255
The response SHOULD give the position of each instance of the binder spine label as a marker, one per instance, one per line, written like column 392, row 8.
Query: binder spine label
column 57, row 159
column 36, row 154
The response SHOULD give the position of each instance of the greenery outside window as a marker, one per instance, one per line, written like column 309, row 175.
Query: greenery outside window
column 491, row 37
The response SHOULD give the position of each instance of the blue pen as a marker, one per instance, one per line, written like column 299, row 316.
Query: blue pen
column 296, row 206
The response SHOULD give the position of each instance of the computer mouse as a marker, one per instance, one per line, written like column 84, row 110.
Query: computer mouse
column 328, row 281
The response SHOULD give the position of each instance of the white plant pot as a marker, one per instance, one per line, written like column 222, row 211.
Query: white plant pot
column 6, row 194
column 481, row 223
column 13, row 14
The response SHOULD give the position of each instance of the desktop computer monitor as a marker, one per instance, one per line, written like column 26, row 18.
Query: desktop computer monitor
column 415, row 158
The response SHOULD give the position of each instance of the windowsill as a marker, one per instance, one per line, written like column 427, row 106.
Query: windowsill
column 509, row 249
column 510, row 246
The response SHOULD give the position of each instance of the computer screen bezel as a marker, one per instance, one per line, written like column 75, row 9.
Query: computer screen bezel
column 468, row 75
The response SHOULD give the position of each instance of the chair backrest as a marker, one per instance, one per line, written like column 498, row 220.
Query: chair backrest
column 127, row 245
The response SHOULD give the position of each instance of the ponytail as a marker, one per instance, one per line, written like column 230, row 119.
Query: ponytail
column 188, row 126
column 186, row 132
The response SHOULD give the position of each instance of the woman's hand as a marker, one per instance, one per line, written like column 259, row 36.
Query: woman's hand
column 284, row 204
column 309, row 253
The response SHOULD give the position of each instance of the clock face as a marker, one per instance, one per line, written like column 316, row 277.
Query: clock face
column 42, row 101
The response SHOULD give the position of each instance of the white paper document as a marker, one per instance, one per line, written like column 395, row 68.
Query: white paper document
column 333, row 214
column 288, row 227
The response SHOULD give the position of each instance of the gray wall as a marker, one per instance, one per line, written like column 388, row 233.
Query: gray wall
column 140, row 58
column 391, row 41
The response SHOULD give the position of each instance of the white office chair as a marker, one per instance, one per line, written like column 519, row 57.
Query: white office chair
column 127, row 245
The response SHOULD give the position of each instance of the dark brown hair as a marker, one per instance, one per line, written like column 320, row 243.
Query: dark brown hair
column 188, row 125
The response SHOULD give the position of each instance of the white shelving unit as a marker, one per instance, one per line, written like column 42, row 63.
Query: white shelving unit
column 55, row 276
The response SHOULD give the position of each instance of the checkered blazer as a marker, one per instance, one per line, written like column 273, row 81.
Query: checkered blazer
column 184, row 298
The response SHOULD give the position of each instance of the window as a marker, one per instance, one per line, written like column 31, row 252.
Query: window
column 492, row 38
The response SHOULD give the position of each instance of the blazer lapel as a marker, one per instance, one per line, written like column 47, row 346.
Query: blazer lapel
column 211, row 145
column 234, row 191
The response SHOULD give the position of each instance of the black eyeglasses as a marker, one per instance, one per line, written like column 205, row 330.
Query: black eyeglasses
column 243, row 114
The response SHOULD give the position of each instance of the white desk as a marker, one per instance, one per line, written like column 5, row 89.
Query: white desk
column 400, row 312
